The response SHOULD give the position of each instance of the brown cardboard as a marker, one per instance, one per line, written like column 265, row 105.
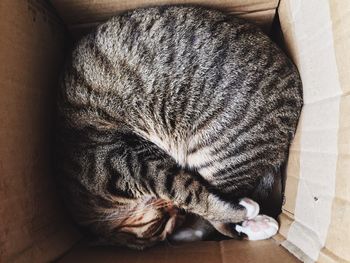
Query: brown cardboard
column 212, row 252
column 316, row 214
column 82, row 15
column 82, row 11
column 336, row 246
column 33, row 227
column 317, row 208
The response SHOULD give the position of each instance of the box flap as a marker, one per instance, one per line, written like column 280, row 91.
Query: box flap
column 317, row 208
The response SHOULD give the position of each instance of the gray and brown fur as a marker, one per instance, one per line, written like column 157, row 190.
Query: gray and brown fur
column 171, row 108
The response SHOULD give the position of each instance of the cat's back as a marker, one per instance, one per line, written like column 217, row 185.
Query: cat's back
column 189, row 79
column 166, row 54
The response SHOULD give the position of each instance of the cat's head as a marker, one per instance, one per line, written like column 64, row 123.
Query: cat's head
column 138, row 224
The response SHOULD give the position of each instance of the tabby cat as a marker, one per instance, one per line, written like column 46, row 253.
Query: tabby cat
column 171, row 110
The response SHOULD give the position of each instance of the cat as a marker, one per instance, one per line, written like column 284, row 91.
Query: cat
column 164, row 111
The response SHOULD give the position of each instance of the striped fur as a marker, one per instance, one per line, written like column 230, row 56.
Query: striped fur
column 179, row 106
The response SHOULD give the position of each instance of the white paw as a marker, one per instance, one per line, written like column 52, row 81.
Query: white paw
column 261, row 227
column 251, row 206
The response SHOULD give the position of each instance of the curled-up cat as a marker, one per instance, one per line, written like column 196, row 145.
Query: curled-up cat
column 174, row 109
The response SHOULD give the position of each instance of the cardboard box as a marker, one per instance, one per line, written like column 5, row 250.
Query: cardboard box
column 34, row 226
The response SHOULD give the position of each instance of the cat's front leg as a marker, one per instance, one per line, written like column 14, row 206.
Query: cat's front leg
column 256, row 227
column 185, row 191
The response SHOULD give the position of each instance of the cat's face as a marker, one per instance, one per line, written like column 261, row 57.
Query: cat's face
column 147, row 223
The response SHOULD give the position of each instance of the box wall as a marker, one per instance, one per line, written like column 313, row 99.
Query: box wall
column 316, row 212
column 33, row 226
column 227, row 251
column 317, row 209
column 82, row 15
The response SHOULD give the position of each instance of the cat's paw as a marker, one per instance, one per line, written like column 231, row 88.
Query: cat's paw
column 251, row 206
column 258, row 228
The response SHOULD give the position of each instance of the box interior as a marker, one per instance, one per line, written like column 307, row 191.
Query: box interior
column 35, row 226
